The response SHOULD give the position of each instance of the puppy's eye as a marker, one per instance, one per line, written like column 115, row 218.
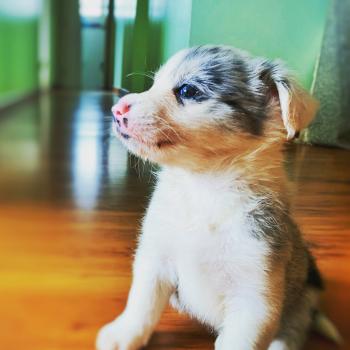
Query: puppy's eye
column 188, row 91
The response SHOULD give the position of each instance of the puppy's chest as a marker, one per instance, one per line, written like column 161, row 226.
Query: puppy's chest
column 205, row 243
column 199, row 216
column 198, row 206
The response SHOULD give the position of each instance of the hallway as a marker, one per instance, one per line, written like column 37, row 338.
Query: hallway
column 71, row 200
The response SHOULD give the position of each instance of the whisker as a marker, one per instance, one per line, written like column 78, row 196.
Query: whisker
column 168, row 126
column 144, row 74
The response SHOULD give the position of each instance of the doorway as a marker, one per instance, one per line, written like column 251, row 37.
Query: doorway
column 96, row 31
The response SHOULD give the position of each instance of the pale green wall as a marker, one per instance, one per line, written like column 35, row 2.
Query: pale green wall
column 124, row 47
column 19, row 69
column 92, row 55
column 290, row 30
column 176, row 27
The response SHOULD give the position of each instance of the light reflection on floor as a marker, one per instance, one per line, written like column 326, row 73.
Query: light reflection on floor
column 60, row 149
column 86, row 153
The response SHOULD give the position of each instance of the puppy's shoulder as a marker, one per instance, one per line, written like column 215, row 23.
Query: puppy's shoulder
column 271, row 220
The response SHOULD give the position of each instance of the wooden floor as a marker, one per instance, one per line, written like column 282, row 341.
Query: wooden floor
column 70, row 207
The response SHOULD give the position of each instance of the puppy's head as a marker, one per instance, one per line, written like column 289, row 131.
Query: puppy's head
column 210, row 105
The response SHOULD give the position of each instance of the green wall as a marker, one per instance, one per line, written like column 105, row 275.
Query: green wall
column 123, row 52
column 19, row 69
column 147, row 34
column 65, row 44
column 123, row 65
column 176, row 27
column 290, row 30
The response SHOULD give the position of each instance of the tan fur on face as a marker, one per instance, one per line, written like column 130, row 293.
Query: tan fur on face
column 210, row 145
column 216, row 148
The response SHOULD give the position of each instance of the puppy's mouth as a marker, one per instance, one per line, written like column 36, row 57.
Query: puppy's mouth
column 124, row 136
column 159, row 144
column 165, row 143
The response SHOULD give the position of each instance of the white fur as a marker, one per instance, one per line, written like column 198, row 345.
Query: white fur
column 278, row 345
column 195, row 239
column 284, row 97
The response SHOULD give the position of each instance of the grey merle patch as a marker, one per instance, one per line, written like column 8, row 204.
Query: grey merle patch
column 229, row 77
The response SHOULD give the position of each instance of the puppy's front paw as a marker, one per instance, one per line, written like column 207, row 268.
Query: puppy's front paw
column 120, row 335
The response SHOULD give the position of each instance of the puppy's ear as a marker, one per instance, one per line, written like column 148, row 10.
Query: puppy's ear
column 298, row 107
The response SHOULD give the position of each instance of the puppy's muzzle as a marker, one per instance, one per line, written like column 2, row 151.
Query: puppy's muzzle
column 120, row 113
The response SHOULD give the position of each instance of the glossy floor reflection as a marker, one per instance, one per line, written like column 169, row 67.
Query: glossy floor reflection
column 71, row 201
column 60, row 149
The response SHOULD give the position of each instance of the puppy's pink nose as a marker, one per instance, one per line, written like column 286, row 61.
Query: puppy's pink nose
column 122, row 107
column 119, row 111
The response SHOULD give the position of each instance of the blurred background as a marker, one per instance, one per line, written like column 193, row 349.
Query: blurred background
column 113, row 44
column 71, row 198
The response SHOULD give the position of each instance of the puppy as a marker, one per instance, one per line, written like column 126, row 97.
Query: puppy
column 218, row 240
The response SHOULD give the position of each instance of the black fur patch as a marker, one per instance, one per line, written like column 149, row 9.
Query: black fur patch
column 250, row 122
column 314, row 277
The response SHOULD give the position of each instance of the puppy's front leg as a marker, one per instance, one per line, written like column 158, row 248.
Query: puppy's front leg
column 147, row 298
column 245, row 329
column 253, row 316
